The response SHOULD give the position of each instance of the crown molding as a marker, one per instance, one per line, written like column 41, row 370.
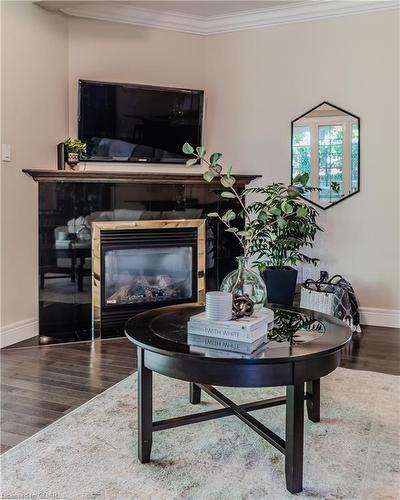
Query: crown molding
column 301, row 12
column 238, row 21
column 172, row 21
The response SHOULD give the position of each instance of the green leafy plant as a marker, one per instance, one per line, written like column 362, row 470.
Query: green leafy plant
column 75, row 146
column 274, row 229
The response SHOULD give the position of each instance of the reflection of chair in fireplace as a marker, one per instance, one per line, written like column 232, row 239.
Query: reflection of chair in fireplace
column 147, row 289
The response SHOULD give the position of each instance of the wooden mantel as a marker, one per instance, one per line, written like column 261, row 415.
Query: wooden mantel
column 40, row 175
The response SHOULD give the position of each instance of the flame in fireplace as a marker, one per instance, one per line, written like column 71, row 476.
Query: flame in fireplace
column 147, row 289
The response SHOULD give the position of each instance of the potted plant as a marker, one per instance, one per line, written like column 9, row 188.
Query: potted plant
column 274, row 230
column 74, row 148
column 292, row 226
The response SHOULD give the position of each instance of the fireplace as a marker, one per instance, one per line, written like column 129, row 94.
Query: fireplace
column 71, row 202
column 149, row 275
column 140, row 265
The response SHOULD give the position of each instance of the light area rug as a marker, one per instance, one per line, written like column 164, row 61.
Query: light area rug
column 353, row 453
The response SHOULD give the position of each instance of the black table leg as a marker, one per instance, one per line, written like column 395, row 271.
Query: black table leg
column 144, row 408
column 294, row 437
column 194, row 394
column 313, row 404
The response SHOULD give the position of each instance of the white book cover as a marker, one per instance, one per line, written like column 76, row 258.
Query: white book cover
column 265, row 316
column 227, row 333
column 215, row 353
column 225, row 345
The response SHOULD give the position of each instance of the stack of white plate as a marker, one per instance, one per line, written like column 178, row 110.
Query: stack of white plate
column 219, row 306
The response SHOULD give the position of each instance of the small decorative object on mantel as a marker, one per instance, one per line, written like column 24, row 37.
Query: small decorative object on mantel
column 274, row 230
column 74, row 148
column 60, row 156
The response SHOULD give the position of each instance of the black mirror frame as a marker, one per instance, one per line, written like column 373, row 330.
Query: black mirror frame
column 359, row 153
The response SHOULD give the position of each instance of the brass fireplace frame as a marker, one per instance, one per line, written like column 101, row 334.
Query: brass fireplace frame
column 98, row 227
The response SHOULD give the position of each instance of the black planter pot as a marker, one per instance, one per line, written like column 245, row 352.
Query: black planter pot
column 281, row 285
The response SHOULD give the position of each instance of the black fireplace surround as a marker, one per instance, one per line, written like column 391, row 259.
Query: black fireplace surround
column 70, row 202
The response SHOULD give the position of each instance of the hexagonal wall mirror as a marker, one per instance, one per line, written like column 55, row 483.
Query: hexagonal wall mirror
column 326, row 146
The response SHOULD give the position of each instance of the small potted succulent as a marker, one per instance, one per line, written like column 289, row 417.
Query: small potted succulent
column 274, row 230
column 74, row 149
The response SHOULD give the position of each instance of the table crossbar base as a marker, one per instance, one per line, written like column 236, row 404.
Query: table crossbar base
column 241, row 411
column 245, row 417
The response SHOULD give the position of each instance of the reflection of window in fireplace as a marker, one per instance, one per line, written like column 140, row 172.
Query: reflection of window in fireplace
column 146, row 275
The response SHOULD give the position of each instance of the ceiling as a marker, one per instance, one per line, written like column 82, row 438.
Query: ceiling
column 211, row 17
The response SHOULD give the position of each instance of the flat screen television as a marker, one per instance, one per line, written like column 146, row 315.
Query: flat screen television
column 136, row 123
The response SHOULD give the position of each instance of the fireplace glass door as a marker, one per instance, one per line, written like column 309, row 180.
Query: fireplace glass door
column 150, row 275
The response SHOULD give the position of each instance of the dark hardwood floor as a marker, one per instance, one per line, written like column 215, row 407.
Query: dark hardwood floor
column 376, row 349
column 41, row 384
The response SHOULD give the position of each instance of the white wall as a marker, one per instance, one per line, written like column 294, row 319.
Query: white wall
column 116, row 52
column 259, row 80
column 34, row 119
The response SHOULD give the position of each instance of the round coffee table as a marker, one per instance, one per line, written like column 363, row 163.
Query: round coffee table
column 303, row 347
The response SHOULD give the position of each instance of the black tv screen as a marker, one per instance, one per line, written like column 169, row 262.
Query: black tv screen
column 137, row 123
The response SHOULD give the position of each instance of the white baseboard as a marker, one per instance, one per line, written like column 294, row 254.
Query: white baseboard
column 19, row 331
column 380, row 317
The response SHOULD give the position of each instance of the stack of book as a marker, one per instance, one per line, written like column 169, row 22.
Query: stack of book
column 242, row 336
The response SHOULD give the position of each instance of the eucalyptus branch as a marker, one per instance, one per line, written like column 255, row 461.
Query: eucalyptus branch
column 238, row 197
column 277, row 228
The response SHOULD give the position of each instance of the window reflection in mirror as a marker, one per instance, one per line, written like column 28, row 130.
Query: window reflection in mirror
column 326, row 146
